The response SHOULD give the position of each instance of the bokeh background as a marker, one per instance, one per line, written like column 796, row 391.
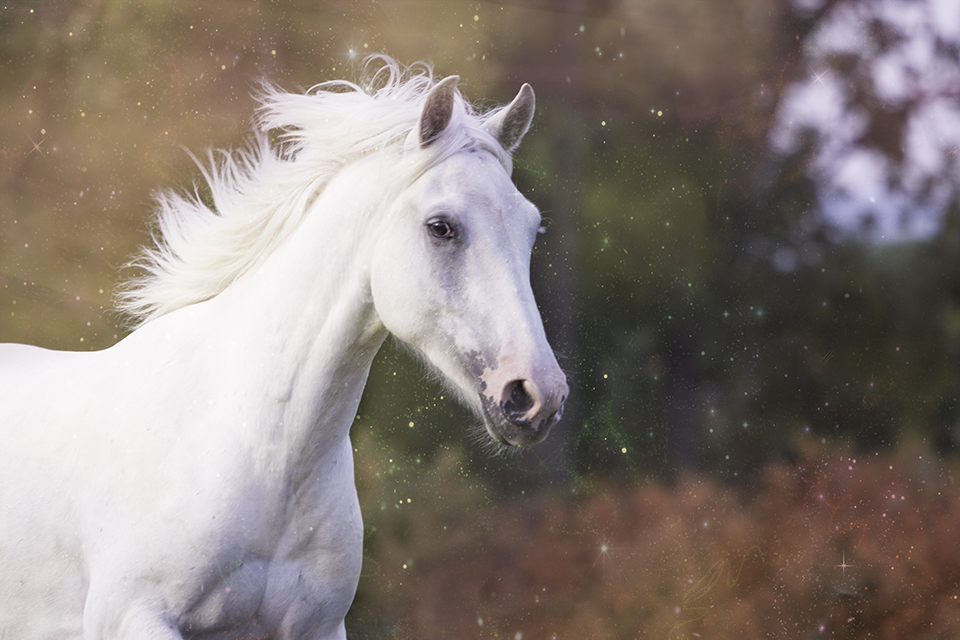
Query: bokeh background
column 751, row 273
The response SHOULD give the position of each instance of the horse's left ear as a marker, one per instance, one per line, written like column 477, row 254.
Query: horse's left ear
column 437, row 110
column 510, row 123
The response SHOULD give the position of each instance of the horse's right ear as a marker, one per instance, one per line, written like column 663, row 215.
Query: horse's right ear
column 437, row 111
column 510, row 123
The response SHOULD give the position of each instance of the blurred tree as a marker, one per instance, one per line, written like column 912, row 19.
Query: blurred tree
column 720, row 313
column 877, row 101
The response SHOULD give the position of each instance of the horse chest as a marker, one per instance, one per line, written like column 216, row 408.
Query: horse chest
column 296, row 567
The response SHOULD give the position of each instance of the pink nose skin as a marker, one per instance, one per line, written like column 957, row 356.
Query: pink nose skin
column 528, row 412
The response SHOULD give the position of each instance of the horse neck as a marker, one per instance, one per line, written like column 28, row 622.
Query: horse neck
column 307, row 325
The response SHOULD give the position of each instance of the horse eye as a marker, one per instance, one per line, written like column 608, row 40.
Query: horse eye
column 441, row 229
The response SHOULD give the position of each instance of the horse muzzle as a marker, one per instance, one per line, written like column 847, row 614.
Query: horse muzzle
column 524, row 412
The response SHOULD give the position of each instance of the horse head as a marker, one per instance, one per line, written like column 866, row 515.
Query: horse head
column 451, row 271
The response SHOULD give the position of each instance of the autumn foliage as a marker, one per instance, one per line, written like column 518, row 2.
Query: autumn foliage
column 832, row 545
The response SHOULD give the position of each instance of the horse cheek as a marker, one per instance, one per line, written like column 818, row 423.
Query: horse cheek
column 396, row 298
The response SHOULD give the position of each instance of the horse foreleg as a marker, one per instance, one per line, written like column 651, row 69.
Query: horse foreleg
column 141, row 622
column 338, row 633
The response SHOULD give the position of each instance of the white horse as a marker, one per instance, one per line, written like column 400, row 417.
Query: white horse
column 196, row 479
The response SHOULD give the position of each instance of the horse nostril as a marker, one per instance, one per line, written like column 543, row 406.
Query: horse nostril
column 518, row 402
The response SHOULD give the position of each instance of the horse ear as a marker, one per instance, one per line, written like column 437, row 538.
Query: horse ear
column 510, row 123
column 437, row 110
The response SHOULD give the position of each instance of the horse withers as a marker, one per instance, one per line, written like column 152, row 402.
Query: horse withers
column 195, row 480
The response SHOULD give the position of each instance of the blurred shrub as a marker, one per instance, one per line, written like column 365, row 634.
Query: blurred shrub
column 830, row 546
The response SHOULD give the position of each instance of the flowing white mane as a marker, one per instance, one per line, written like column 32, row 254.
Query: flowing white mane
column 259, row 195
